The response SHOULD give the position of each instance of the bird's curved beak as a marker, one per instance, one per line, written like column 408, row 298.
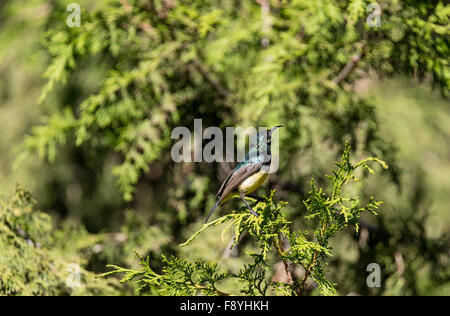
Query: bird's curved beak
column 274, row 128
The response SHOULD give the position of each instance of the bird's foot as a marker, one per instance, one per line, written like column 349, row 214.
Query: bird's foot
column 249, row 207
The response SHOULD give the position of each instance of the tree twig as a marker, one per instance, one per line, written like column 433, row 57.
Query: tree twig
column 307, row 273
column 311, row 265
column 291, row 278
column 206, row 74
column 349, row 66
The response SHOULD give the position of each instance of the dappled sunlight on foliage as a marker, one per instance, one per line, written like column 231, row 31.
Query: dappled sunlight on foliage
column 87, row 115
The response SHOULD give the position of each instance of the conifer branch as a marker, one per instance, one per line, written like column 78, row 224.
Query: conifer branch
column 266, row 231
column 349, row 66
column 291, row 278
column 214, row 82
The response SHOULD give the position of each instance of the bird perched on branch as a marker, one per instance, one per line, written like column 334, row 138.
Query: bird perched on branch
column 248, row 175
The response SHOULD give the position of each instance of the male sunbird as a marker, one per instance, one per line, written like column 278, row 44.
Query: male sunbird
column 248, row 175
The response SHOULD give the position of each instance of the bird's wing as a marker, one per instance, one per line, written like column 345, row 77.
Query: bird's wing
column 239, row 166
column 237, row 176
column 219, row 194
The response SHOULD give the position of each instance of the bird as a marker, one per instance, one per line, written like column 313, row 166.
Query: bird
column 249, row 174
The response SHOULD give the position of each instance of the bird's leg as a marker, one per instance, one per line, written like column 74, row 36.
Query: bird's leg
column 242, row 196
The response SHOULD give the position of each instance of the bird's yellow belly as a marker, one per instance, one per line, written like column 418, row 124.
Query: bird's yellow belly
column 253, row 182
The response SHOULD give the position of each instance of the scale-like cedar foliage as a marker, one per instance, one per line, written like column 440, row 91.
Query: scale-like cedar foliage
column 37, row 259
column 116, row 87
column 233, row 63
column 333, row 211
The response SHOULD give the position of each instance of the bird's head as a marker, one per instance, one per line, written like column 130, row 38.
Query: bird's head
column 264, row 139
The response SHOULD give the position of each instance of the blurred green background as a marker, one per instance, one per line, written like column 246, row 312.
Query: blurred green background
column 156, row 65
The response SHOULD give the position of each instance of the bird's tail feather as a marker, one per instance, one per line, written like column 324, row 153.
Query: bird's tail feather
column 212, row 210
